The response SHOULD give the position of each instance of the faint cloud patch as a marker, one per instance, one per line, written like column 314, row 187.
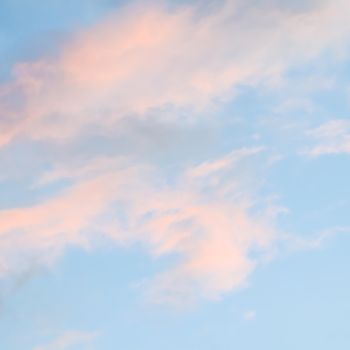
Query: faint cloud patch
column 332, row 137
column 249, row 315
column 71, row 340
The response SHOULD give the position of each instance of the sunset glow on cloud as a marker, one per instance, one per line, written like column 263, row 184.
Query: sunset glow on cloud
column 172, row 169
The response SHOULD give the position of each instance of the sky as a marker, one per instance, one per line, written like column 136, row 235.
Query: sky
column 174, row 174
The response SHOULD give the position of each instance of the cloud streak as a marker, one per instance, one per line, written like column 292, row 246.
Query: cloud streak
column 332, row 137
column 69, row 340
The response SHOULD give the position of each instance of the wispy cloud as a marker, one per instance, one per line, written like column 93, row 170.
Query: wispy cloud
column 217, row 233
column 249, row 315
column 332, row 137
column 133, row 64
column 144, row 58
column 217, row 166
column 69, row 341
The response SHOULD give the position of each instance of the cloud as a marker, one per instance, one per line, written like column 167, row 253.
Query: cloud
column 43, row 230
column 210, row 167
column 332, row 137
column 215, row 232
column 146, row 58
column 249, row 315
column 134, row 64
column 316, row 241
column 70, row 340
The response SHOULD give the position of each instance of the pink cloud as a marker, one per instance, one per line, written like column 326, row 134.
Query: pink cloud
column 146, row 58
column 133, row 62
column 216, row 239
column 42, row 231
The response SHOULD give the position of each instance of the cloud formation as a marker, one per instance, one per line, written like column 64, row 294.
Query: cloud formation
column 332, row 137
column 70, row 340
column 143, row 58
column 214, row 230
column 133, row 64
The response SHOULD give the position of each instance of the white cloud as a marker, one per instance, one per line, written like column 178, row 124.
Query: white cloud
column 332, row 137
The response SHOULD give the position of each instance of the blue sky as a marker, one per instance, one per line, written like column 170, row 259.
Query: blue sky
column 174, row 175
